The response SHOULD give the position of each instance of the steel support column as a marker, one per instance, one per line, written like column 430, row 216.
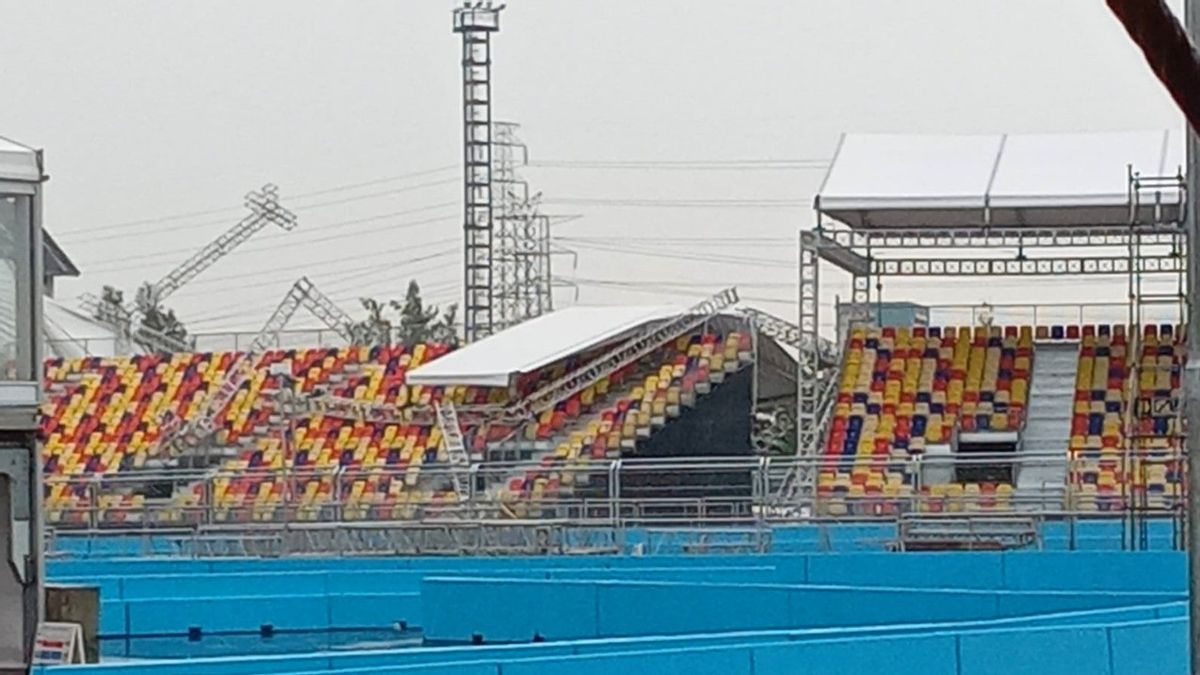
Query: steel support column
column 476, row 24
column 808, row 422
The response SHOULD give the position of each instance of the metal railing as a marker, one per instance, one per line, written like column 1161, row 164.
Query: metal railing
column 666, row 491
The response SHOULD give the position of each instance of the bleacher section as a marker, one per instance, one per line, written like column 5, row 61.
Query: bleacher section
column 905, row 391
column 618, row 410
column 104, row 416
column 1104, row 477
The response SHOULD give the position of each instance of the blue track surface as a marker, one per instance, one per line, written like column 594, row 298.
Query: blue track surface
column 799, row 611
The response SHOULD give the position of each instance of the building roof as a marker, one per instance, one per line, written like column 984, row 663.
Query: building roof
column 1011, row 180
column 57, row 263
column 70, row 333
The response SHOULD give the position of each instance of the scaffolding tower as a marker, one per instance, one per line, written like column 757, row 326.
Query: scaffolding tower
column 1154, row 230
column 476, row 22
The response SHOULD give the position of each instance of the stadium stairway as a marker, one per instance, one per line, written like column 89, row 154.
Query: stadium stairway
column 1048, row 421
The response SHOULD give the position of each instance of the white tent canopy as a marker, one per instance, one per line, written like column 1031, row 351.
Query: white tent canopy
column 69, row 333
column 1005, row 180
column 493, row 361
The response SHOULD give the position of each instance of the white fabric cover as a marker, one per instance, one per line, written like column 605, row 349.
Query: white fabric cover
column 1040, row 180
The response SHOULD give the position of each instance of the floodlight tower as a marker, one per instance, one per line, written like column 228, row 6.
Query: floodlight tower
column 476, row 22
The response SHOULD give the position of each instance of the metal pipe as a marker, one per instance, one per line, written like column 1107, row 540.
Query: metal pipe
column 1191, row 14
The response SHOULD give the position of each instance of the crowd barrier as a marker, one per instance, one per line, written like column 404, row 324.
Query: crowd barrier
column 1054, row 535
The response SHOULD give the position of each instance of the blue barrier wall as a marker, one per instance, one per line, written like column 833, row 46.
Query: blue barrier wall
column 510, row 610
column 1013, row 571
column 141, row 596
column 1113, row 649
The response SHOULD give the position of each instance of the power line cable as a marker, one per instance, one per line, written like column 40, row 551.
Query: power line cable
column 741, row 203
column 65, row 235
column 310, row 265
column 297, row 240
column 723, row 259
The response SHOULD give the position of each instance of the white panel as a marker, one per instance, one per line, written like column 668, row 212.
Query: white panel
column 1065, row 170
column 533, row 344
column 1043, row 180
column 900, row 171
column 69, row 333
column 17, row 162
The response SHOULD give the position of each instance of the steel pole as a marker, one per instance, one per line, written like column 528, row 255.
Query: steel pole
column 1191, row 15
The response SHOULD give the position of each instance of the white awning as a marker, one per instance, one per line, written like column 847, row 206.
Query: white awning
column 18, row 163
column 524, row 348
column 1005, row 180
column 69, row 333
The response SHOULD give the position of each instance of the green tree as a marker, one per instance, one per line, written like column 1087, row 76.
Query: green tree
column 376, row 329
column 416, row 321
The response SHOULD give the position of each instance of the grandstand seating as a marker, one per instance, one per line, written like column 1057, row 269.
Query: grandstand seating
column 1104, row 475
column 903, row 389
column 618, row 410
column 103, row 417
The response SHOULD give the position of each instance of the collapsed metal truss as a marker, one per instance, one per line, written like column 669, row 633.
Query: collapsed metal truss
column 179, row 434
column 633, row 348
column 126, row 319
column 305, row 294
column 789, row 333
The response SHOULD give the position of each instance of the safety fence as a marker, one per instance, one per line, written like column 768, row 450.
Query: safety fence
column 628, row 492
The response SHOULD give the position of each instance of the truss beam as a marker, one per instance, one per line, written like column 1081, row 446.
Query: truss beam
column 978, row 237
column 632, row 349
column 789, row 333
column 303, row 293
column 1063, row 266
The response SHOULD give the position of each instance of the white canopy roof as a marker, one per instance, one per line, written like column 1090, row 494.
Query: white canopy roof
column 1042, row 180
column 18, row 162
column 69, row 333
column 491, row 362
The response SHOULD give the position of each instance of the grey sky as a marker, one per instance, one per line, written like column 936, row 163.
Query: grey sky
column 148, row 109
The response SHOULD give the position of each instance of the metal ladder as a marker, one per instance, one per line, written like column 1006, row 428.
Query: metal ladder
column 452, row 437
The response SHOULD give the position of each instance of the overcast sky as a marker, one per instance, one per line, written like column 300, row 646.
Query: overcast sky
column 151, row 110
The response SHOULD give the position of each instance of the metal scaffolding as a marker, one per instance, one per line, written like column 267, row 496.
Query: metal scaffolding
column 265, row 209
column 521, row 245
column 476, row 23
column 1154, row 247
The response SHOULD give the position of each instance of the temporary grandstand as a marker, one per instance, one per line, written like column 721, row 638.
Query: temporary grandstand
column 528, row 422
column 1041, row 413
column 659, row 411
